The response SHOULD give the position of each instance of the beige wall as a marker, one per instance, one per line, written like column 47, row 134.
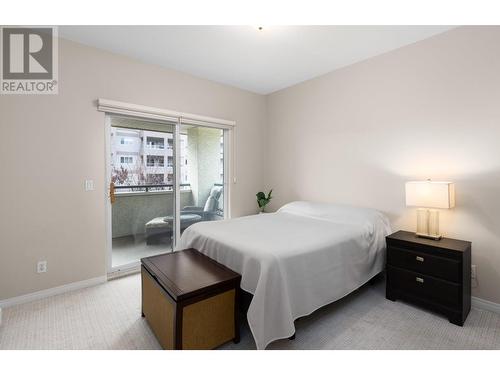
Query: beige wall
column 355, row 136
column 203, row 157
column 428, row 110
column 50, row 144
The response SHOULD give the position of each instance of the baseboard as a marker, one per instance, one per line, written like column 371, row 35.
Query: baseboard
column 52, row 291
column 483, row 304
column 477, row 303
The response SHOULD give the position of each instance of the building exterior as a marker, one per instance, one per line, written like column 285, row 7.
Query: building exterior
column 142, row 157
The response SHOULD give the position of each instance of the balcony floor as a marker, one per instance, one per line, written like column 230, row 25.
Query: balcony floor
column 131, row 249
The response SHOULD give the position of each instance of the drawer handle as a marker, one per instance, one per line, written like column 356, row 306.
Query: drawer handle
column 419, row 280
column 420, row 259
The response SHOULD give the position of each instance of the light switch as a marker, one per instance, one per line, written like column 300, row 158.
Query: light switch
column 89, row 185
column 41, row 266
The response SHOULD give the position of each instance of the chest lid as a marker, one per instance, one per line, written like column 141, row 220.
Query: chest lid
column 188, row 273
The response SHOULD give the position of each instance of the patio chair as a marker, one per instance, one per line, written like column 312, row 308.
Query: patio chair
column 160, row 228
column 210, row 211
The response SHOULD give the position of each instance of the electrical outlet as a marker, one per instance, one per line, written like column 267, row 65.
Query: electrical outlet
column 41, row 266
column 89, row 185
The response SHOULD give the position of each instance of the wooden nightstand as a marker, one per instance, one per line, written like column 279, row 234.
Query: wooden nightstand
column 432, row 274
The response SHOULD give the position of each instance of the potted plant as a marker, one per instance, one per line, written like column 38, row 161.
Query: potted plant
column 262, row 200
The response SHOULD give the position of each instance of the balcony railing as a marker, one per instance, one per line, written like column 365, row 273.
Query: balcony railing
column 149, row 188
column 155, row 146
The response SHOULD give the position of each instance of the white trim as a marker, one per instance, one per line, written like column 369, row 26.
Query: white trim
column 123, row 268
column 113, row 106
column 121, row 272
column 214, row 123
column 107, row 202
column 177, row 182
column 52, row 291
column 229, row 174
column 482, row 304
column 232, row 154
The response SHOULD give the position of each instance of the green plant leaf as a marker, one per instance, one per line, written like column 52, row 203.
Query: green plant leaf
column 269, row 195
column 262, row 200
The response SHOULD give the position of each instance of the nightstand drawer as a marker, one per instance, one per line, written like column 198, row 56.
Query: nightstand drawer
column 425, row 287
column 440, row 267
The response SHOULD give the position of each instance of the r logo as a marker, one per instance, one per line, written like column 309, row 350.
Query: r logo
column 27, row 53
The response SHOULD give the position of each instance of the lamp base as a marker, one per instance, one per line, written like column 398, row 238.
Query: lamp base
column 428, row 224
column 436, row 237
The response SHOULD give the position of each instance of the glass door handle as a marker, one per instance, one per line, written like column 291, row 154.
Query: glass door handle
column 112, row 197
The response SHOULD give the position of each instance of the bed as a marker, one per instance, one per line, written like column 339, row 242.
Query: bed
column 294, row 261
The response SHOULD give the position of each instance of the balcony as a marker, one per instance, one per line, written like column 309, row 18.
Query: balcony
column 155, row 169
column 153, row 146
column 142, row 214
column 137, row 205
column 167, row 151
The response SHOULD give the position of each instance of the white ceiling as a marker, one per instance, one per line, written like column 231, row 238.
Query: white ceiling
column 242, row 56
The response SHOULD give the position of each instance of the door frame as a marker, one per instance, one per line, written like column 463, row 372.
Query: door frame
column 111, row 108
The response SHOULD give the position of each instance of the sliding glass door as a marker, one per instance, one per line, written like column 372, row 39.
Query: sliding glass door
column 142, row 189
column 163, row 177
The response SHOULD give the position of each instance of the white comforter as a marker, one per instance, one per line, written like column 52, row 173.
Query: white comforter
column 296, row 260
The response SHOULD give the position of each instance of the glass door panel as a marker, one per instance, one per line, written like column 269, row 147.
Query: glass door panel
column 201, row 174
column 142, row 189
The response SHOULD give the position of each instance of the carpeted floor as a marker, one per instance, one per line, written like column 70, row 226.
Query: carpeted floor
column 108, row 317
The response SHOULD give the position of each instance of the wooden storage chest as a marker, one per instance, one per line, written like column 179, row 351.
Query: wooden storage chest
column 189, row 300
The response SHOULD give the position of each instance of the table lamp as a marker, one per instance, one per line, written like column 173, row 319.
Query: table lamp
column 429, row 195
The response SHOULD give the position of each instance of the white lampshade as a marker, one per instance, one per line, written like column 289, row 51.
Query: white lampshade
column 430, row 194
